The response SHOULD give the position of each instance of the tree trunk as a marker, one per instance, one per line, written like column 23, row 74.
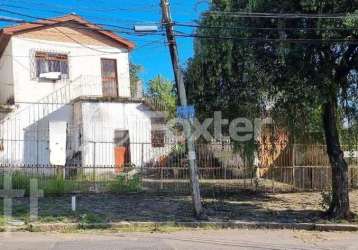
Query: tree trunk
column 339, row 207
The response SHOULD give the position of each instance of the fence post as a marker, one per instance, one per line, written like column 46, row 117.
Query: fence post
column 142, row 162
column 94, row 163
column 293, row 165
column 161, row 178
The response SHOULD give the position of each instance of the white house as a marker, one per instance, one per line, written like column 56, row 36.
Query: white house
column 65, row 97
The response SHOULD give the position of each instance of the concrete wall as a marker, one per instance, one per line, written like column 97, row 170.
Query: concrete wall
column 84, row 60
column 26, row 139
column 6, row 75
column 100, row 120
column 90, row 134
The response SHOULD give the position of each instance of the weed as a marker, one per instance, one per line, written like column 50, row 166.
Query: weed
column 91, row 218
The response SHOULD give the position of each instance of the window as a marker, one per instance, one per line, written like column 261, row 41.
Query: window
column 48, row 62
column 158, row 138
column 158, row 132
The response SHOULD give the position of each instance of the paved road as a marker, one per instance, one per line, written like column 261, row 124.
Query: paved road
column 220, row 239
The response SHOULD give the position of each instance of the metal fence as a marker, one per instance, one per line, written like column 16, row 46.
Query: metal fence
column 221, row 169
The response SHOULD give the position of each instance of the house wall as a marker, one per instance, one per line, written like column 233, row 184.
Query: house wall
column 100, row 120
column 84, row 60
column 26, row 138
column 6, row 75
column 90, row 134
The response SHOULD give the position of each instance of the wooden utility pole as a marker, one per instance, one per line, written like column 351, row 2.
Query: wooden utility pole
column 179, row 81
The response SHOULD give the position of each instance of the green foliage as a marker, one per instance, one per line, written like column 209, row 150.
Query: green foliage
column 288, row 80
column 122, row 184
column 90, row 218
column 326, row 199
column 163, row 90
column 20, row 181
column 134, row 71
column 55, row 186
column 220, row 75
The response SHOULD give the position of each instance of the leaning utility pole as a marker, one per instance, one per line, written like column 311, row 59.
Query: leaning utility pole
column 179, row 80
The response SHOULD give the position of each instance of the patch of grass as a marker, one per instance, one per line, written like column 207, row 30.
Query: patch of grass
column 124, row 185
column 57, row 186
column 2, row 221
column 58, row 218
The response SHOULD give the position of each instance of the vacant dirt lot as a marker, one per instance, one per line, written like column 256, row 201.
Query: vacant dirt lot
column 299, row 207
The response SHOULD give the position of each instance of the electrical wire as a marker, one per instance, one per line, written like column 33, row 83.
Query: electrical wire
column 181, row 34
column 65, row 13
column 276, row 15
column 258, row 39
column 51, row 20
column 117, row 29
column 85, row 8
column 149, row 44
column 263, row 28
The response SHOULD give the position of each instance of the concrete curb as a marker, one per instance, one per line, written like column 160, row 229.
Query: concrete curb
column 37, row 227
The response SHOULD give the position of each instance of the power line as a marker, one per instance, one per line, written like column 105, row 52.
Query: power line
column 64, row 13
column 66, row 33
column 262, row 28
column 50, row 20
column 130, row 33
column 119, row 29
column 85, row 8
column 276, row 15
column 153, row 44
column 259, row 39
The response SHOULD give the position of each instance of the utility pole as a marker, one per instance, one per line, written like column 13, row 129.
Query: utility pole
column 179, row 80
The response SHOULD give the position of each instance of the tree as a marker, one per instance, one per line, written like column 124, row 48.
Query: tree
column 134, row 71
column 163, row 90
column 300, row 65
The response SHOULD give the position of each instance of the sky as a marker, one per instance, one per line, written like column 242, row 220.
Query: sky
column 151, row 50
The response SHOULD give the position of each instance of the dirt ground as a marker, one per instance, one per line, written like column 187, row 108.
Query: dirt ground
column 295, row 207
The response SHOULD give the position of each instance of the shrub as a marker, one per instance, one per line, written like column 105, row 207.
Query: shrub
column 57, row 186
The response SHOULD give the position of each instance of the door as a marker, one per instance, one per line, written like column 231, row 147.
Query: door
column 121, row 149
column 109, row 77
column 57, row 138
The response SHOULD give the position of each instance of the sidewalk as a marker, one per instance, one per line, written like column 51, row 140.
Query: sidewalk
column 189, row 239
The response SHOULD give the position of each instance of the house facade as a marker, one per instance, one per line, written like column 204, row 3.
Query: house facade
column 65, row 97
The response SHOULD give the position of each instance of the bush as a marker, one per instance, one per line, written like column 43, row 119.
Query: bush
column 57, row 186
column 123, row 185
